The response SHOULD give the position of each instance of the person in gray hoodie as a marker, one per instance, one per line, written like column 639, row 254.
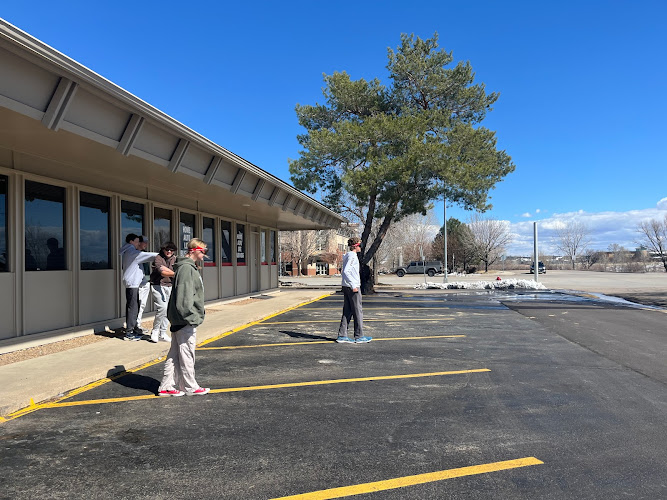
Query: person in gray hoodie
column 185, row 313
column 133, row 274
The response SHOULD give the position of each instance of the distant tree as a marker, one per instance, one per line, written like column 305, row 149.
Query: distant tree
column 459, row 256
column 572, row 239
column 487, row 238
column 393, row 150
column 591, row 257
column 297, row 247
column 653, row 234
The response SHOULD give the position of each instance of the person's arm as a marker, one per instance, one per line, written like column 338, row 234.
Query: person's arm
column 166, row 272
column 145, row 257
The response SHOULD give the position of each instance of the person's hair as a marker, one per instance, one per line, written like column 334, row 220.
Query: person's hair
column 170, row 245
column 352, row 242
column 196, row 242
column 52, row 242
column 130, row 237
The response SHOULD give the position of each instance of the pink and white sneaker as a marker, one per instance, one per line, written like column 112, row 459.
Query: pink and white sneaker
column 172, row 392
column 199, row 392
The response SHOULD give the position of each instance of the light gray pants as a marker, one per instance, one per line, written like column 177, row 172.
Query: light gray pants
column 179, row 369
column 161, row 296
column 351, row 309
column 143, row 300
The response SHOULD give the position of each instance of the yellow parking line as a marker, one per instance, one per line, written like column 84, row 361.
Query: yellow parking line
column 379, row 308
column 272, row 386
column 247, row 325
column 402, row 482
column 323, row 342
column 303, row 322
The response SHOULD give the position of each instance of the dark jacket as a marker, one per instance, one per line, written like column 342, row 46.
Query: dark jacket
column 186, row 304
column 156, row 275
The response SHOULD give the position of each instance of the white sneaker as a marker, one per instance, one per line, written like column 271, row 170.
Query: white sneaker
column 154, row 337
column 165, row 338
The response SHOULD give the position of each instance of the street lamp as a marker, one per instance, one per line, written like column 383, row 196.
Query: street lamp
column 444, row 197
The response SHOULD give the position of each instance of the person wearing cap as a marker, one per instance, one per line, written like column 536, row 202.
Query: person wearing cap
column 185, row 312
column 162, row 272
column 144, row 287
column 352, row 296
column 133, row 275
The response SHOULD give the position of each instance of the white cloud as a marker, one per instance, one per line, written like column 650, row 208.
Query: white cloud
column 537, row 211
column 525, row 214
column 606, row 228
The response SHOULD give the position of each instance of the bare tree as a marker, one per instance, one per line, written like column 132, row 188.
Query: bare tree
column 297, row 246
column 572, row 238
column 653, row 235
column 487, row 238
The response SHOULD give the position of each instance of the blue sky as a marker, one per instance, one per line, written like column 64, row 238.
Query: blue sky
column 581, row 83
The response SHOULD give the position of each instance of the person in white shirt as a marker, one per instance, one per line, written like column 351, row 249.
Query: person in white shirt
column 352, row 296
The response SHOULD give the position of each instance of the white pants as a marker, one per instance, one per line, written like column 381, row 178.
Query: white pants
column 179, row 368
column 161, row 296
column 143, row 300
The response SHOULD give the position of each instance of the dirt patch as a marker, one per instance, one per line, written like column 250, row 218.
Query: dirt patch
column 244, row 302
column 46, row 349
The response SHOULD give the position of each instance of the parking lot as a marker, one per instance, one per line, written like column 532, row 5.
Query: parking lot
column 458, row 396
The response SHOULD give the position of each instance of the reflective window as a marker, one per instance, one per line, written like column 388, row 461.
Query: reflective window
column 262, row 246
column 4, row 188
column 186, row 231
column 131, row 219
column 272, row 247
column 240, row 245
column 94, row 235
column 226, row 238
column 209, row 238
column 44, row 227
column 161, row 227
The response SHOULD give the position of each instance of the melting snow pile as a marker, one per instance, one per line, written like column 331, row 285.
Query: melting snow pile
column 508, row 284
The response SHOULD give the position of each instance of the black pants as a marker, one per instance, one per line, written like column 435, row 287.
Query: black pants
column 352, row 309
column 131, row 308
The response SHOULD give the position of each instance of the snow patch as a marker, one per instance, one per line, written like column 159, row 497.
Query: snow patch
column 508, row 284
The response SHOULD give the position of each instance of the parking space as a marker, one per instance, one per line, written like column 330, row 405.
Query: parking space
column 457, row 396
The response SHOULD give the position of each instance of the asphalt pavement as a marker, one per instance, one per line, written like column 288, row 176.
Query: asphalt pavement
column 476, row 395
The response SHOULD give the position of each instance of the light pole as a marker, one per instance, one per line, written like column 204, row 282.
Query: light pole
column 445, row 235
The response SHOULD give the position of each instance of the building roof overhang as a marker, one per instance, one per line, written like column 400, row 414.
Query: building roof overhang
column 56, row 111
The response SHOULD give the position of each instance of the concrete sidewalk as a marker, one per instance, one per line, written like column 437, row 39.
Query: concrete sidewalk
column 50, row 376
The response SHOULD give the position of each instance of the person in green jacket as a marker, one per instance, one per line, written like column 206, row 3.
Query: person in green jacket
column 185, row 312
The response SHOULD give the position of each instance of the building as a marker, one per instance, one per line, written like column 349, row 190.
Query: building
column 83, row 163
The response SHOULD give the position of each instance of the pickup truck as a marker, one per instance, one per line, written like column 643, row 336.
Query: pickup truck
column 419, row 267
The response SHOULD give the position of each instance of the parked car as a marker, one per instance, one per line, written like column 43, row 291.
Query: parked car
column 419, row 267
column 540, row 268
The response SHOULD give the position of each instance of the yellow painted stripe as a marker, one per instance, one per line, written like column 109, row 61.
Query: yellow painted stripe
column 402, row 482
column 304, row 322
column 247, row 325
column 365, row 308
column 322, row 342
column 266, row 387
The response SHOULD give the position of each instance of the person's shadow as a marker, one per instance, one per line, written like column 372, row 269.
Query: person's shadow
column 120, row 376
column 301, row 335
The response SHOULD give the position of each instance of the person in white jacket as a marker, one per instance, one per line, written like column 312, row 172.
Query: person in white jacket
column 133, row 275
column 352, row 296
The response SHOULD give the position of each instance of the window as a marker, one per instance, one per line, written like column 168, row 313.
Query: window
column 209, row 238
column 262, row 246
column 272, row 247
column 161, row 227
column 186, row 231
column 94, row 236
column 240, row 245
column 44, row 227
column 226, row 240
column 131, row 219
column 4, row 189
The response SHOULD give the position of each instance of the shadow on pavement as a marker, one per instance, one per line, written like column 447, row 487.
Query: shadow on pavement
column 301, row 335
column 119, row 376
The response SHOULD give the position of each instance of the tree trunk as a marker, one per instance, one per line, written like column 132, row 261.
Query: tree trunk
column 366, row 280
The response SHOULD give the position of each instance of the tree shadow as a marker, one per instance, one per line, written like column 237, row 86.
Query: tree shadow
column 301, row 335
column 120, row 376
